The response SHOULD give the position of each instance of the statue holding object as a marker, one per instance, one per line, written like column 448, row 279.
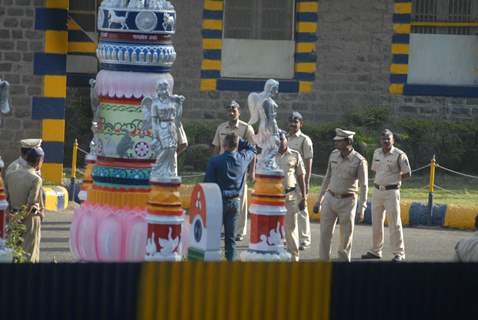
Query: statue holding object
column 263, row 108
column 163, row 116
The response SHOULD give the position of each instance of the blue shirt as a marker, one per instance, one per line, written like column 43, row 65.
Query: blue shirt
column 228, row 169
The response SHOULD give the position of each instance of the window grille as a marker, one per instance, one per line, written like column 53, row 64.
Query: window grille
column 259, row 19
column 458, row 17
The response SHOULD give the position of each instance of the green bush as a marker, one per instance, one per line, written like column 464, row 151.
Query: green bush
column 454, row 142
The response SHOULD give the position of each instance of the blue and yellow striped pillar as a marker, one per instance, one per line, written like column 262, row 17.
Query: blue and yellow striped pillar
column 305, row 58
column 51, row 65
column 212, row 28
column 402, row 16
column 82, row 62
column 306, row 43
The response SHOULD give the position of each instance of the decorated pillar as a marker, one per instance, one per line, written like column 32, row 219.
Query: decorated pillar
column 4, row 108
column 267, row 208
column 135, row 53
column 164, row 219
column 3, row 205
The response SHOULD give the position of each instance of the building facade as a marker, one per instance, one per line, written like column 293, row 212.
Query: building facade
column 417, row 57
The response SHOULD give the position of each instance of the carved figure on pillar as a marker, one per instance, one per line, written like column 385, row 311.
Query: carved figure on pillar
column 4, row 96
column 163, row 115
column 263, row 108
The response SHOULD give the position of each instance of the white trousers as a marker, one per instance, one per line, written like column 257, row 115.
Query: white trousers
column 291, row 226
column 387, row 201
column 343, row 210
column 241, row 225
column 304, row 226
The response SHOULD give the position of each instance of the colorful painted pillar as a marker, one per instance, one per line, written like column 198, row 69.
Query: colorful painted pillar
column 267, row 212
column 3, row 205
column 135, row 52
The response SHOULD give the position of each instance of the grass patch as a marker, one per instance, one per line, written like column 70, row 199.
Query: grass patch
column 450, row 190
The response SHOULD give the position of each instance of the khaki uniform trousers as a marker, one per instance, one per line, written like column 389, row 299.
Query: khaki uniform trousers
column 241, row 226
column 387, row 201
column 344, row 210
column 31, row 239
column 304, row 226
column 291, row 226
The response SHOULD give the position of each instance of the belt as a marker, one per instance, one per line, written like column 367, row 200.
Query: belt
column 341, row 196
column 231, row 198
column 389, row 187
column 290, row 189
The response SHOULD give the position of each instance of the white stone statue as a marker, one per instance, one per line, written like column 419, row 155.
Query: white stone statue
column 4, row 96
column 264, row 109
column 163, row 115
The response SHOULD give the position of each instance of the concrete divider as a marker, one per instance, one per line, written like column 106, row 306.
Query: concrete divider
column 56, row 198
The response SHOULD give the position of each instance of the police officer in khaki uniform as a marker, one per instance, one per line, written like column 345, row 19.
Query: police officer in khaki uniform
column 346, row 172
column 301, row 143
column 244, row 131
column 292, row 165
column 391, row 166
column 25, row 146
column 24, row 188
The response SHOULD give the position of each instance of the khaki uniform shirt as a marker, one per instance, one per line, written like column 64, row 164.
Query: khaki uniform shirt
column 390, row 166
column 291, row 163
column 346, row 175
column 242, row 129
column 301, row 143
column 24, row 187
column 466, row 250
column 15, row 165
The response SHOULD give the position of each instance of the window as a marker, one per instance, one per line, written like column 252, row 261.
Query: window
column 444, row 43
column 258, row 33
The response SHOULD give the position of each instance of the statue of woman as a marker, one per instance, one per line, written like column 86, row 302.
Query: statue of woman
column 263, row 108
column 163, row 115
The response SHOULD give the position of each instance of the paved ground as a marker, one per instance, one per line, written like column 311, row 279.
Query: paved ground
column 422, row 244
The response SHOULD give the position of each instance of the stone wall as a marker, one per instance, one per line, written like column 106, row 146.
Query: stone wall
column 354, row 55
column 18, row 42
column 353, row 50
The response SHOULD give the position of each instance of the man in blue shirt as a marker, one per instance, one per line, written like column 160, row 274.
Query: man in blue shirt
column 228, row 171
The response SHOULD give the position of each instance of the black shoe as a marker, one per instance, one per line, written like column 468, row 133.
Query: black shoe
column 239, row 237
column 370, row 255
column 398, row 259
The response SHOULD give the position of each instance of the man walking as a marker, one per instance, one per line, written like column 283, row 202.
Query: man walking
column 228, row 171
column 301, row 143
column 292, row 165
column 391, row 167
column 346, row 173
column 244, row 131
column 24, row 189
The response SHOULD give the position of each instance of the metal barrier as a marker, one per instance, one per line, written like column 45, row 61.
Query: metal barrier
column 249, row 291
